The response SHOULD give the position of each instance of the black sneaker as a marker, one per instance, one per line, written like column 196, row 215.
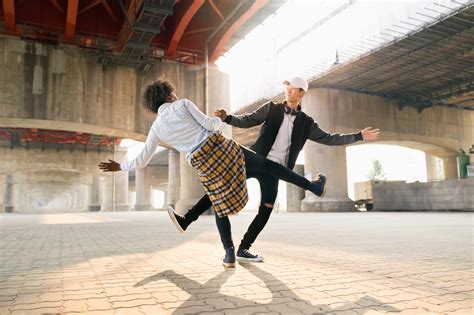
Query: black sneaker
column 318, row 186
column 178, row 220
column 229, row 259
column 245, row 255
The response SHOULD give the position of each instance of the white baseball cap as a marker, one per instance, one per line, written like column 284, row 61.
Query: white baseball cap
column 297, row 82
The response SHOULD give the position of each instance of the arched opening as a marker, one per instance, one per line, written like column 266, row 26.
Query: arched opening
column 49, row 191
column 398, row 164
column 385, row 162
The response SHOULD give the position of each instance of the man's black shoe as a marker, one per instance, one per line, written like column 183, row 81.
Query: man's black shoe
column 318, row 186
column 245, row 255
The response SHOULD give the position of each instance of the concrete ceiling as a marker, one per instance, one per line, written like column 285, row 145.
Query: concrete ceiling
column 433, row 66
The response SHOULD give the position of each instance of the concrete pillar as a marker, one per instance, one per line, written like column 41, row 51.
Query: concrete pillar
column 8, row 205
column 332, row 162
column 93, row 194
column 3, row 184
column 18, row 197
column 432, row 168
column 143, row 190
column 190, row 189
column 2, row 192
column 106, row 193
column 294, row 194
column 323, row 105
column 174, row 178
column 450, row 166
column 121, row 191
column 114, row 192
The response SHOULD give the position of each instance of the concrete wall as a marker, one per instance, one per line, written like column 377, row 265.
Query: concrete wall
column 65, row 88
column 435, row 196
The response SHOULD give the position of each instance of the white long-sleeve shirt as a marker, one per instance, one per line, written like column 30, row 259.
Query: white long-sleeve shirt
column 281, row 147
column 179, row 124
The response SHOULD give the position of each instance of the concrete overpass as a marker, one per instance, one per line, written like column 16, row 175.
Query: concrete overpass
column 57, row 82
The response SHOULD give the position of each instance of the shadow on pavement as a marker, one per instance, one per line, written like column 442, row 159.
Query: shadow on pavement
column 282, row 296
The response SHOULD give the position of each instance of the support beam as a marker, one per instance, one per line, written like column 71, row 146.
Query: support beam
column 71, row 18
column 90, row 6
column 216, row 9
column 183, row 18
column 247, row 15
column 127, row 27
column 109, row 10
column 9, row 16
column 57, row 5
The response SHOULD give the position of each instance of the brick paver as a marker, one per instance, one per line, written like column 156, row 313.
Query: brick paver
column 315, row 263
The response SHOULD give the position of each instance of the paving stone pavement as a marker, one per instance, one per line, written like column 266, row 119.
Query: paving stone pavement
column 315, row 263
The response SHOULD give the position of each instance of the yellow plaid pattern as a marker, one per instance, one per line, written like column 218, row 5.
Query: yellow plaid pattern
column 221, row 169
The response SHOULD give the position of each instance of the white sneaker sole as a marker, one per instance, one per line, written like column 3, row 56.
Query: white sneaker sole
column 259, row 259
column 170, row 211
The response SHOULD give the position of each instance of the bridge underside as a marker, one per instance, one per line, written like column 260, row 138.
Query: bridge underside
column 433, row 66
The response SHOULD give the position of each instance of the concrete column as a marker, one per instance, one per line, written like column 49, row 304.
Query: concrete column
column 106, row 193
column 2, row 192
column 8, row 205
column 191, row 189
column 332, row 162
column 121, row 191
column 450, row 166
column 432, row 168
column 174, row 178
column 93, row 194
column 3, row 184
column 294, row 194
column 324, row 105
column 143, row 190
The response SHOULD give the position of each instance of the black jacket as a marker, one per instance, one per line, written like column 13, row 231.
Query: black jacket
column 304, row 127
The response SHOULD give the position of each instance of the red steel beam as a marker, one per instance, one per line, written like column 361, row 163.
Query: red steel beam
column 201, row 30
column 71, row 19
column 9, row 16
column 57, row 5
column 214, row 6
column 183, row 18
column 256, row 6
column 90, row 6
column 109, row 10
column 127, row 29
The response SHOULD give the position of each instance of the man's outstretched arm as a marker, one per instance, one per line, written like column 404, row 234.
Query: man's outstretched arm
column 255, row 118
column 322, row 136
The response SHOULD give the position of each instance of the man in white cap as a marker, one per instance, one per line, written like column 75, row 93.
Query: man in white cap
column 283, row 134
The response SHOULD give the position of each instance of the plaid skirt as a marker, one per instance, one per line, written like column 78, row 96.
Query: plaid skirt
column 221, row 169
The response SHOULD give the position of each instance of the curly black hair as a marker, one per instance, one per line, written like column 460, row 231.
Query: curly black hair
column 156, row 94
